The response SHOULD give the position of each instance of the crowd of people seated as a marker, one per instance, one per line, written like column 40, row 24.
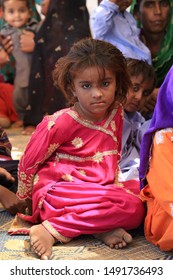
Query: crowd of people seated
column 32, row 43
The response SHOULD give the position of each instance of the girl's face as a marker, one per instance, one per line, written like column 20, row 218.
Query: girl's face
column 16, row 13
column 137, row 95
column 95, row 92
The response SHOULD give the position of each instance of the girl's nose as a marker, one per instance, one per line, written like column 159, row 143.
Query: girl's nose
column 138, row 95
column 97, row 92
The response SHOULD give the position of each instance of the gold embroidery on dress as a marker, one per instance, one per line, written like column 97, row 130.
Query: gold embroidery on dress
column 54, row 116
column 24, row 188
column 110, row 118
column 96, row 158
column 55, row 233
column 36, row 179
column 23, row 176
column 82, row 172
column 50, row 124
column 77, row 142
column 117, row 177
column 128, row 191
column 113, row 125
column 40, row 203
column 51, row 149
column 92, row 125
column 67, row 177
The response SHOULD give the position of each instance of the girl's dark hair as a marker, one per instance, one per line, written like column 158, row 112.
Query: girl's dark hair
column 86, row 53
column 138, row 67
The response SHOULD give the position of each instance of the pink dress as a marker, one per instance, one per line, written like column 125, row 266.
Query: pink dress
column 70, row 169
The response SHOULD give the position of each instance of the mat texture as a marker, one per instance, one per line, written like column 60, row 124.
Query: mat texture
column 17, row 247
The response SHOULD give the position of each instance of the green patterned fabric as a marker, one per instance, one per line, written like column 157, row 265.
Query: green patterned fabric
column 163, row 61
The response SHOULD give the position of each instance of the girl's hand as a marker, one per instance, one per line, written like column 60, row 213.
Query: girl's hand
column 27, row 43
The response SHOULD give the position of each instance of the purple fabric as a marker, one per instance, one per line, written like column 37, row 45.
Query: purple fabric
column 162, row 118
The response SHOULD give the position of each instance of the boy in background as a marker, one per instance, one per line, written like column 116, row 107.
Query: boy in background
column 143, row 82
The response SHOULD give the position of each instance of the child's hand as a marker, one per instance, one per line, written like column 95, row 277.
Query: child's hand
column 6, row 174
column 7, row 44
column 123, row 5
column 150, row 103
column 10, row 201
column 27, row 43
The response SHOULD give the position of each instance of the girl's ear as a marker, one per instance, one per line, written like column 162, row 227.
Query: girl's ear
column 71, row 89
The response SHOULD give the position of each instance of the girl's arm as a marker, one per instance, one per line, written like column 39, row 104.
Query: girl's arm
column 43, row 143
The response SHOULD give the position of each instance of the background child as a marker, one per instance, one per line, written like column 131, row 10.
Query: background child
column 8, row 113
column 70, row 165
column 7, row 69
column 143, row 82
column 17, row 15
column 111, row 22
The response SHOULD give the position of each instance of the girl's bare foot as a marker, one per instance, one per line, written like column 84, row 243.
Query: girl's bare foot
column 117, row 238
column 41, row 241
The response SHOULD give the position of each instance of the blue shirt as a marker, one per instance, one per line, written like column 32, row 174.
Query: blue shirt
column 119, row 29
column 133, row 131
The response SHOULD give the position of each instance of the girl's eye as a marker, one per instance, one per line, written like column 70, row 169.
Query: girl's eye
column 135, row 88
column 86, row 86
column 105, row 84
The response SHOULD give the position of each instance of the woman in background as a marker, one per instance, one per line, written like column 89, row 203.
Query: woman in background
column 66, row 22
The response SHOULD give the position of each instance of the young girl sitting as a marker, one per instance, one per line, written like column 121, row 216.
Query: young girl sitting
column 70, row 165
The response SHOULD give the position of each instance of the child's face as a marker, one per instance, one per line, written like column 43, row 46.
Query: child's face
column 94, row 92
column 137, row 95
column 16, row 13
